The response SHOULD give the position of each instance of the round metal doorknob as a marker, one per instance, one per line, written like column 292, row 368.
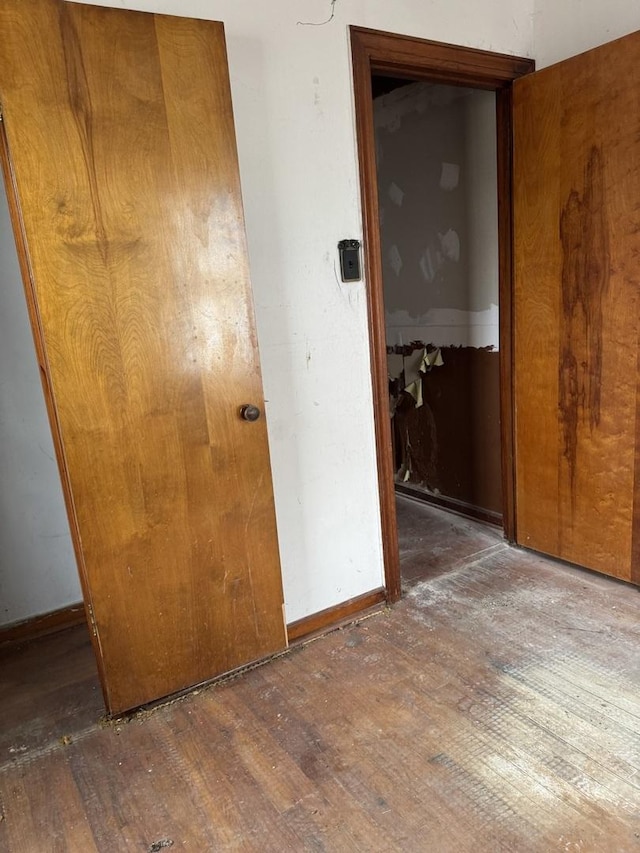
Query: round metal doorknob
column 250, row 413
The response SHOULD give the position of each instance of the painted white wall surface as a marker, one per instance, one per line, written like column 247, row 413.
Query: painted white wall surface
column 481, row 165
column 566, row 28
column 293, row 106
column 37, row 564
column 437, row 180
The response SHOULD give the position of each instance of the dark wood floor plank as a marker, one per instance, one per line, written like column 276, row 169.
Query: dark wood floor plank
column 440, row 728
column 495, row 708
column 49, row 687
column 321, row 753
column 207, row 774
column 412, row 735
column 46, row 807
column 448, row 541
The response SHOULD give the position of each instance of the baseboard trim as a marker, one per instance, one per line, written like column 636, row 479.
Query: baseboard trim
column 46, row 623
column 452, row 504
column 68, row 617
column 333, row 616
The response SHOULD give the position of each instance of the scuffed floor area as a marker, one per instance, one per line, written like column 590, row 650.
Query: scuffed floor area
column 496, row 707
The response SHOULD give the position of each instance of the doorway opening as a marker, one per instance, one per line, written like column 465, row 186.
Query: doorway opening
column 437, row 195
column 417, row 68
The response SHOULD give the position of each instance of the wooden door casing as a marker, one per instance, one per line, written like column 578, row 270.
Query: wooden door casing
column 375, row 52
column 127, row 205
column 576, row 252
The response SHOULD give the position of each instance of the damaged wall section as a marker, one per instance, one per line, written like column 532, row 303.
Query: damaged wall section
column 437, row 183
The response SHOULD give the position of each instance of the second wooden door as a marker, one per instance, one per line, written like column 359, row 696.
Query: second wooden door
column 577, row 286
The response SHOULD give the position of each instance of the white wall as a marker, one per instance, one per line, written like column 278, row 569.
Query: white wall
column 563, row 29
column 37, row 565
column 481, row 163
column 437, row 180
column 294, row 117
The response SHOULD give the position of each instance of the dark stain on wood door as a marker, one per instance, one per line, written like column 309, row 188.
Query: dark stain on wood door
column 585, row 279
column 576, row 292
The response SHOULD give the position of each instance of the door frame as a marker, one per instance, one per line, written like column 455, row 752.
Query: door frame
column 374, row 51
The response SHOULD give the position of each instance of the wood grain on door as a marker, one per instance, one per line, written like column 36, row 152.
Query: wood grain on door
column 577, row 245
column 122, row 166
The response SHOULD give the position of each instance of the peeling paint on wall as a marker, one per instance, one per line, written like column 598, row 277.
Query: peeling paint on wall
column 450, row 244
column 395, row 259
column 426, row 265
column 445, row 327
column 449, row 176
column 449, row 445
column 396, row 194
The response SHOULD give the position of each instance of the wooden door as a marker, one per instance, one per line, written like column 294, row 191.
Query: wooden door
column 121, row 165
column 577, row 275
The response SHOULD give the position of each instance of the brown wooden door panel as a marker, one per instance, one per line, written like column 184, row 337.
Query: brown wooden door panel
column 576, row 250
column 121, row 137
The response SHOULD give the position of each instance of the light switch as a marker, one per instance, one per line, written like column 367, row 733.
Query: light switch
column 349, row 260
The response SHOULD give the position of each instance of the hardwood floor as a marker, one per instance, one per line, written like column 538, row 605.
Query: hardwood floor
column 50, row 688
column 495, row 708
column 433, row 542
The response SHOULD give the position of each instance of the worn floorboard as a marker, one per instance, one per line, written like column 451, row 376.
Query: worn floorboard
column 48, row 686
column 495, row 708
